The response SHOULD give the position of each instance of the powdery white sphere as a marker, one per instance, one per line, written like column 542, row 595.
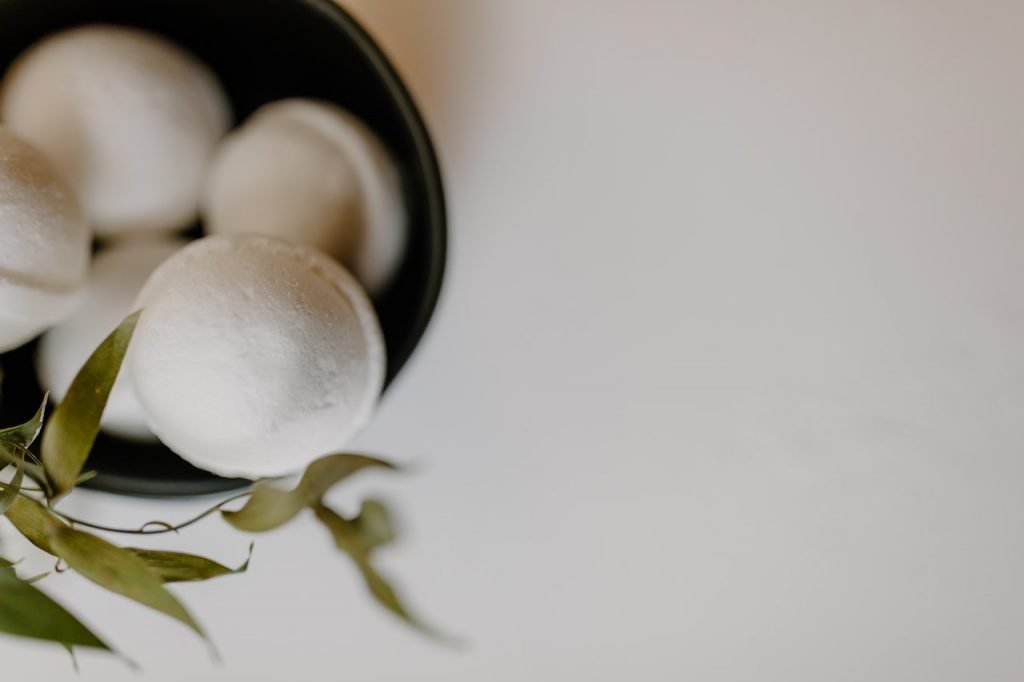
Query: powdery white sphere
column 108, row 297
column 312, row 173
column 255, row 356
column 130, row 119
column 44, row 243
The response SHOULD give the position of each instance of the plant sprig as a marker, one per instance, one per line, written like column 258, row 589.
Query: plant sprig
column 141, row 575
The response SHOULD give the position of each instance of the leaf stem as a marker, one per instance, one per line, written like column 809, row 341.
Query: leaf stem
column 145, row 530
column 24, row 488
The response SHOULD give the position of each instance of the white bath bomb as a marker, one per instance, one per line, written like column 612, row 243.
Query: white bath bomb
column 311, row 173
column 117, row 277
column 255, row 356
column 130, row 119
column 44, row 243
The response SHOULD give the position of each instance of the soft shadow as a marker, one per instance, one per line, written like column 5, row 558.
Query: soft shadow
column 427, row 41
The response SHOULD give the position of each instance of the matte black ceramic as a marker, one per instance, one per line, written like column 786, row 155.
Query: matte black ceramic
column 262, row 50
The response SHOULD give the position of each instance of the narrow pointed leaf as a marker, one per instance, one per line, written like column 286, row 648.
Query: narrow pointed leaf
column 374, row 524
column 32, row 520
column 15, row 441
column 176, row 567
column 10, row 491
column 348, row 539
column 118, row 570
column 12, row 454
column 270, row 507
column 74, row 657
column 25, row 434
column 26, row 611
column 72, row 429
column 113, row 568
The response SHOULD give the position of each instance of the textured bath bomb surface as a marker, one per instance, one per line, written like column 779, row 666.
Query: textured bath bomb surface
column 44, row 243
column 255, row 356
column 128, row 118
column 284, row 180
column 310, row 172
column 117, row 277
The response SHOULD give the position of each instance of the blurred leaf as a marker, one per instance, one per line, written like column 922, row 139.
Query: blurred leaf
column 270, row 507
column 176, row 567
column 113, row 568
column 74, row 657
column 72, row 430
column 27, row 612
column 118, row 570
column 10, row 491
column 374, row 524
column 349, row 539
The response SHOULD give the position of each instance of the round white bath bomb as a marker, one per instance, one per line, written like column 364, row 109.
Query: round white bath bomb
column 117, row 277
column 44, row 243
column 255, row 356
column 311, row 173
column 130, row 119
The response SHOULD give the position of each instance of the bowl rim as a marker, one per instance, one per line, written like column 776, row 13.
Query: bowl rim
column 426, row 153
column 426, row 158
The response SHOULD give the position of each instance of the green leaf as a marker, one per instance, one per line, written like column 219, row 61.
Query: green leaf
column 72, row 430
column 25, row 434
column 176, row 567
column 10, row 491
column 15, row 441
column 113, row 568
column 349, row 539
column 74, row 658
column 118, row 570
column 374, row 524
column 270, row 507
column 27, row 612
column 12, row 454
column 32, row 520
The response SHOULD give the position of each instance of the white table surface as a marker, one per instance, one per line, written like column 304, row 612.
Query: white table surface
column 727, row 380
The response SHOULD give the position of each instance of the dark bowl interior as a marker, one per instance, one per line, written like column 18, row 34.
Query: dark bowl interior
column 262, row 50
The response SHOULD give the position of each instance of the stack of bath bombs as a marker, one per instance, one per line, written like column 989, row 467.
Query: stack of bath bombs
column 258, row 349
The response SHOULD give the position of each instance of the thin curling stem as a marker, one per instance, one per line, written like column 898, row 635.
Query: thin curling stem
column 144, row 530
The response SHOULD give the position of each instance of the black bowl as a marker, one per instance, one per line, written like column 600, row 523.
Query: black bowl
column 262, row 50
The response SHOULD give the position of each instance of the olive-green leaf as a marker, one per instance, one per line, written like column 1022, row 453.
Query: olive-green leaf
column 113, row 568
column 177, row 567
column 12, row 454
column 34, row 521
column 374, row 524
column 71, row 432
column 270, row 507
column 25, row 434
column 9, row 492
column 348, row 539
column 14, row 443
column 118, row 570
column 27, row 612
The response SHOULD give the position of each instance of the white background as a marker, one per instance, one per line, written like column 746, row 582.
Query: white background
column 727, row 380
